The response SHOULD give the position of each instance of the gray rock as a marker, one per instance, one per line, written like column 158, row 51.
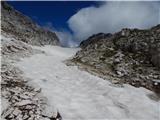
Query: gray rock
column 129, row 56
column 16, row 112
column 24, row 102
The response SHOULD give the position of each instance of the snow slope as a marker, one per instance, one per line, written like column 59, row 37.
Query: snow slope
column 78, row 95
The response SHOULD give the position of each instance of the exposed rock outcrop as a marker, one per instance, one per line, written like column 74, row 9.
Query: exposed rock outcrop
column 129, row 56
column 23, row 28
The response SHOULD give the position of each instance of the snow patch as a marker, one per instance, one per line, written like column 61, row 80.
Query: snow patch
column 79, row 95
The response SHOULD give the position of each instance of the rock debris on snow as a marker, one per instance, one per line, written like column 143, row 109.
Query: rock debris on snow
column 22, row 100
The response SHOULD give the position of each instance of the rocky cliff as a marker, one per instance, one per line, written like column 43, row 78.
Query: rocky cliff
column 129, row 56
column 23, row 28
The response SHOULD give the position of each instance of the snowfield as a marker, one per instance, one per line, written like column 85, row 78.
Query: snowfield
column 78, row 95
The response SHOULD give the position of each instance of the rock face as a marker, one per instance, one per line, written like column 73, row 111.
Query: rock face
column 24, row 29
column 129, row 56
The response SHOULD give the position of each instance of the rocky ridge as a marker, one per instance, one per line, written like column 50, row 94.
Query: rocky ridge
column 24, row 29
column 129, row 56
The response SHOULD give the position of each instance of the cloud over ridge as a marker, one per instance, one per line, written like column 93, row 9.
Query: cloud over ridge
column 113, row 16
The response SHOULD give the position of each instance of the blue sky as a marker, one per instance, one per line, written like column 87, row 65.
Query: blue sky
column 51, row 12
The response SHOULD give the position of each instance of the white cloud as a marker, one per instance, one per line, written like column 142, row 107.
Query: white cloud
column 49, row 26
column 113, row 16
column 109, row 17
column 66, row 39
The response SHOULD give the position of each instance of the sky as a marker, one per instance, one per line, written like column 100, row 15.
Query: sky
column 51, row 12
column 74, row 21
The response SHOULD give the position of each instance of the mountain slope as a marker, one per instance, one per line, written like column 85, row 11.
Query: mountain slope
column 129, row 56
column 23, row 28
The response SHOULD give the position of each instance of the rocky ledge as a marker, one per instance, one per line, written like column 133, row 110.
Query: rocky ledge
column 130, row 56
